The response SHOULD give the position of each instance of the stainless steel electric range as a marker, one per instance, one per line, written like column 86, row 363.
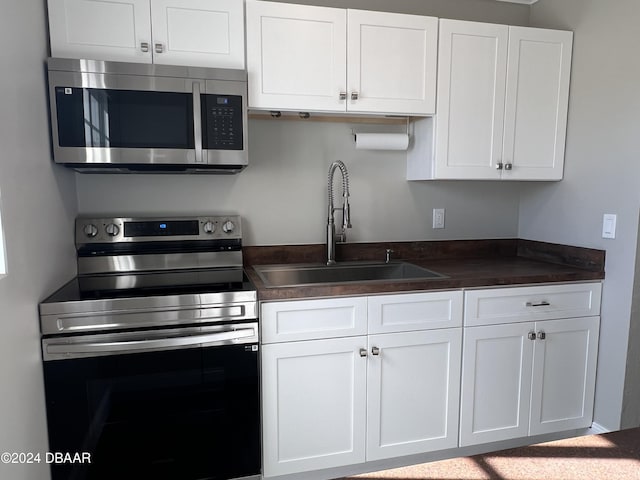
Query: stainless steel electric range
column 151, row 353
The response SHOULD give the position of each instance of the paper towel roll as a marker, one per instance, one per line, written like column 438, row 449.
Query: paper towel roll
column 382, row 141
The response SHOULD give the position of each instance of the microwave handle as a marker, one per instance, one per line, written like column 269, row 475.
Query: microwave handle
column 197, row 122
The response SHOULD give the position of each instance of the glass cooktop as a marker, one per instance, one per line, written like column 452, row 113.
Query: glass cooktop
column 95, row 287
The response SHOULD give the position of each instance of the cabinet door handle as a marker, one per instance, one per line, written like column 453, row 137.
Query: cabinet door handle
column 144, row 46
column 343, row 95
column 508, row 166
column 159, row 48
column 531, row 335
column 375, row 351
column 541, row 335
column 543, row 303
column 363, row 352
column 354, row 96
column 499, row 166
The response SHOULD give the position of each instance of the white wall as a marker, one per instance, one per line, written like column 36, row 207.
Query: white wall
column 601, row 170
column 38, row 205
column 282, row 195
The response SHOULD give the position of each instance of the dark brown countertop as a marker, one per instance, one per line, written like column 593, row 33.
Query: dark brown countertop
column 464, row 264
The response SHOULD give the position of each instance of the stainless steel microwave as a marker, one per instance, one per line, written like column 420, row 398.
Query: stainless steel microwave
column 129, row 117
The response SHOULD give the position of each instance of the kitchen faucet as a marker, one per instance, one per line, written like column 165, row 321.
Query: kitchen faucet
column 346, row 215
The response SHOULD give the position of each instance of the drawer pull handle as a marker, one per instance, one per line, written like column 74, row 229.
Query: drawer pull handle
column 542, row 335
column 538, row 304
column 375, row 351
column 531, row 336
column 363, row 352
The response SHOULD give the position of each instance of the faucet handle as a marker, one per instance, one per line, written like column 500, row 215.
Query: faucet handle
column 388, row 255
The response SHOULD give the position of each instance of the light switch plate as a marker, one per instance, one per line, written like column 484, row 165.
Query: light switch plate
column 609, row 225
column 438, row 218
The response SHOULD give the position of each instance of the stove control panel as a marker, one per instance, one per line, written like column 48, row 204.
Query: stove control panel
column 157, row 229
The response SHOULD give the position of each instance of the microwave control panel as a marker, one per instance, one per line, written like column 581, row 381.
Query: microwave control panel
column 222, row 122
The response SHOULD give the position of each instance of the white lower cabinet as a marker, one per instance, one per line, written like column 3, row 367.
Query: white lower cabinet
column 528, row 378
column 496, row 383
column 412, row 392
column 345, row 400
column 564, row 375
column 314, row 395
column 350, row 380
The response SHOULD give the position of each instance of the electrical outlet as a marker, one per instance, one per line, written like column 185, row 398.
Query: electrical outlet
column 438, row 218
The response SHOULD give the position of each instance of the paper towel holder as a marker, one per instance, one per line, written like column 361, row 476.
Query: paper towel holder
column 354, row 133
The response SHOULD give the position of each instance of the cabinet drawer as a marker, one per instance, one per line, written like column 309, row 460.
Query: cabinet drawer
column 313, row 319
column 414, row 311
column 523, row 304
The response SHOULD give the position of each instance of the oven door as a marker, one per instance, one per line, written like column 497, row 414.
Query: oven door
column 179, row 404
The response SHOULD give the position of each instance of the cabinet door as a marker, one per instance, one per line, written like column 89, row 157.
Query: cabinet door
column 470, row 100
column 413, row 392
column 206, row 33
column 564, row 373
column 536, row 103
column 100, row 29
column 296, row 56
column 496, row 383
column 391, row 62
column 313, row 396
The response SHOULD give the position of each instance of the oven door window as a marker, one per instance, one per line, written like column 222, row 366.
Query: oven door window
column 181, row 414
column 90, row 117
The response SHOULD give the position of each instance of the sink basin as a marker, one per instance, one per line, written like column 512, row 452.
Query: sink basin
column 313, row 274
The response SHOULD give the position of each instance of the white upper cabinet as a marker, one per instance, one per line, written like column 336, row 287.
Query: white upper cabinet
column 198, row 32
column 536, row 106
column 207, row 33
column 391, row 62
column 296, row 56
column 100, row 30
column 307, row 58
column 471, row 95
column 501, row 105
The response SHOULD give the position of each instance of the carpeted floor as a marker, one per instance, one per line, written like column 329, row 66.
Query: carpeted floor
column 611, row 456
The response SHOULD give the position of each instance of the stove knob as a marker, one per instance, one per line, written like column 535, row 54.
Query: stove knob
column 112, row 229
column 90, row 230
column 209, row 227
column 228, row 226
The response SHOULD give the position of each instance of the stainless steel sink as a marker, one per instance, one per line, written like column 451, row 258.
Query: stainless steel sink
column 313, row 274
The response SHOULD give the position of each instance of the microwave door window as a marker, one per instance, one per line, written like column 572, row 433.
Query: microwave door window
column 124, row 119
column 96, row 117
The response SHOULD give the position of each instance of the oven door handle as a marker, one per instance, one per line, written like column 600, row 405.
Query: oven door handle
column 130, row 346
